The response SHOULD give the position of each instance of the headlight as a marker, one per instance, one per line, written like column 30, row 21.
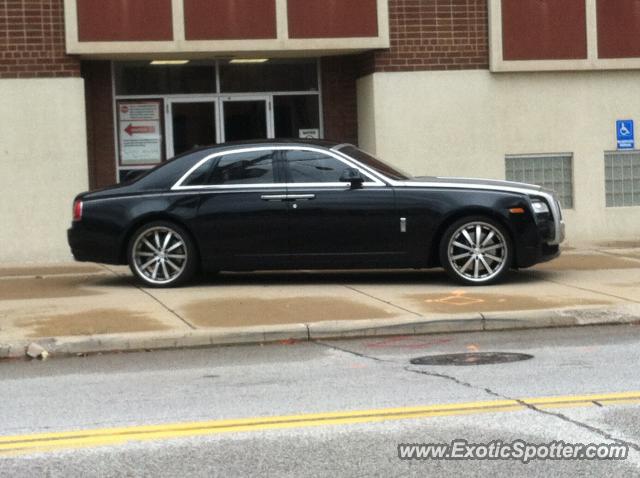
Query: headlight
column 540, row 207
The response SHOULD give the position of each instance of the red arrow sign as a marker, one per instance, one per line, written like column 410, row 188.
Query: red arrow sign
column 131, row 130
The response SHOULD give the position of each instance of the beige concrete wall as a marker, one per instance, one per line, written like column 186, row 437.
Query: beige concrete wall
column 463, row 123
column 43, row 164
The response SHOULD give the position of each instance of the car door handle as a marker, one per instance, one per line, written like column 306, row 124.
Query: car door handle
column 295, row 197
column 273, row 197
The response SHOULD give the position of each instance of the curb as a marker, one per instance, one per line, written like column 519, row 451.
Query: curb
column 494, row 321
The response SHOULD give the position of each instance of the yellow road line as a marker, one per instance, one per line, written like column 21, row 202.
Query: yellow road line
column 41, row 442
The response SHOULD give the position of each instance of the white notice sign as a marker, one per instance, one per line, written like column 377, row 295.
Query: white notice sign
column 140, row 134
column 309, row 133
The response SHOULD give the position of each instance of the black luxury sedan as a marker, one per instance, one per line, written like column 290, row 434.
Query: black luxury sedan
column 311, row 205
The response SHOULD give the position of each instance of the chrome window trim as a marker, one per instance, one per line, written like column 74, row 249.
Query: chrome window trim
column 349, row 162
column 371, row 171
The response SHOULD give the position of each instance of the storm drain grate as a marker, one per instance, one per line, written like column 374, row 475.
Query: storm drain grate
column 475, row 358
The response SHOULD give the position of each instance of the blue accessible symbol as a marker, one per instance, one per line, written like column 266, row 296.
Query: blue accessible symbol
column 625, row 134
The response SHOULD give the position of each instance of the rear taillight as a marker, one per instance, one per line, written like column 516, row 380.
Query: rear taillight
column 77, row 210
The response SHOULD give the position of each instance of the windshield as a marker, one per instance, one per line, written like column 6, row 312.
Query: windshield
column 374, row 163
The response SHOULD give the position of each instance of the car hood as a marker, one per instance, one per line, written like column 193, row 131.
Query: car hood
column 493, row 184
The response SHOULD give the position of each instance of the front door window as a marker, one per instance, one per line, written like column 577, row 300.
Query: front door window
column 313, row 167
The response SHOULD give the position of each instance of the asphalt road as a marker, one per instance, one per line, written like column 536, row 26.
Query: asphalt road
column 362, row 394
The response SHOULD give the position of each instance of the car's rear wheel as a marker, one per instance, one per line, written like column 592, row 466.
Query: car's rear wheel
column 162, row 254
column 476, row 251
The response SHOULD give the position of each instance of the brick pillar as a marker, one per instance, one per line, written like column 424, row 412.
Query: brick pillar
column 100, row 129
column 339, row 98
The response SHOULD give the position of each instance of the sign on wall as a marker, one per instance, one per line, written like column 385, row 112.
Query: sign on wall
column 140, row 132
column 311, row 133
column 625, row 134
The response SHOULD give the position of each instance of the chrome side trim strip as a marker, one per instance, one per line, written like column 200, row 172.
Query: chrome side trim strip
column 445, row 185
column 300, row 196
column 550, row 198
column 273, row 186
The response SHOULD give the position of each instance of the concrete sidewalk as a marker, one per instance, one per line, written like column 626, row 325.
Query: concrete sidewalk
column 79, row 308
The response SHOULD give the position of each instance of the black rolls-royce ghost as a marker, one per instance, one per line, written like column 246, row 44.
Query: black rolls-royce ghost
column 311, row 204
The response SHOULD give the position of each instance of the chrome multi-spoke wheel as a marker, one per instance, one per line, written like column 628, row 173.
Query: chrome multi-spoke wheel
column 159, row 255
column 476, row 251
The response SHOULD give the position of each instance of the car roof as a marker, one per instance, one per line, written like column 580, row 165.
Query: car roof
column 275, row 142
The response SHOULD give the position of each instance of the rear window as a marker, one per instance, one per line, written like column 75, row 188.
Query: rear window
column 165, row 175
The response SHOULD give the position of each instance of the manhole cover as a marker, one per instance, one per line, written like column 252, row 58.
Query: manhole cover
column 476, row 358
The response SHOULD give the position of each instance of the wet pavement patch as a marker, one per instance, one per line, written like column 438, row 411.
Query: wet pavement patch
column 46, row 287
column 587, row 262
column 234, row 312
column 625, row 285
column 48, row 271
column 633, row 254
column 620, row 244
column 459, row 301
column 90, row 322
column 475, row 358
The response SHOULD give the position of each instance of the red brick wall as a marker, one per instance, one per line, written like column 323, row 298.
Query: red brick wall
column 100, row 130
column 340, row 108
column 32, row 40
column 433, row 35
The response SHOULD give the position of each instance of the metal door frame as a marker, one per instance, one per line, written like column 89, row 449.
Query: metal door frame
column 268, row 99
column 190, row 99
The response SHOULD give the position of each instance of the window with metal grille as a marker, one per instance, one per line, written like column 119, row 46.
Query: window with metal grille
column 622, row 178
column 551, row 171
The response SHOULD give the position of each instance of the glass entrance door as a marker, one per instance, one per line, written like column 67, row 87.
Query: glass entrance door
column 246, row 118
column 192, row 124
column 207, row 120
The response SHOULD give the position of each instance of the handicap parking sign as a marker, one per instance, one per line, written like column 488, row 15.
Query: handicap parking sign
column 625, row 134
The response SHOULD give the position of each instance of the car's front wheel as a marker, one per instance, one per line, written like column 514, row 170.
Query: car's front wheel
column 162, row 254
column 476, row 251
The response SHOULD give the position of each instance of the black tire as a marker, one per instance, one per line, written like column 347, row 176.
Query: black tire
column 472, row 262
column 162, row 254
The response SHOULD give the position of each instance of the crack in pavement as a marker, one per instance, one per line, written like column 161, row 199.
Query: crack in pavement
column 166, row 307
column 163, row 305
column 584, row 289
column 382, row 300
column 347, row 351
column 561, row 416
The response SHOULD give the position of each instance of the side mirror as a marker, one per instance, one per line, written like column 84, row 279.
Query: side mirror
column 353, row 176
